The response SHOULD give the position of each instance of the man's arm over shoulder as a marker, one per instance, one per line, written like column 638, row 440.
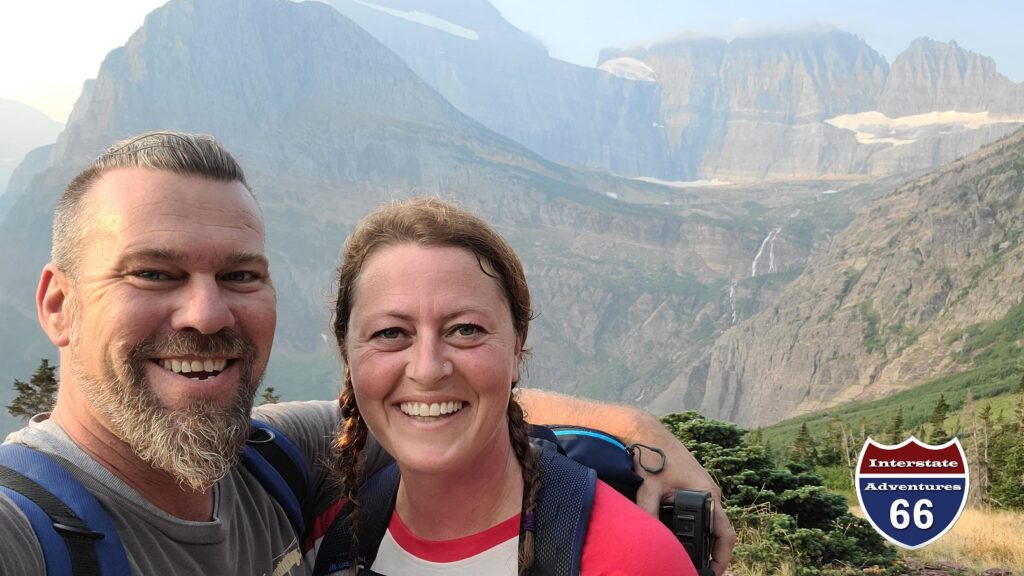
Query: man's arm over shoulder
column 623, row 539
column 19, row 550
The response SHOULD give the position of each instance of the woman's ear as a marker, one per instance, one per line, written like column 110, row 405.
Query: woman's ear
column 517, row 360
column 52, row 305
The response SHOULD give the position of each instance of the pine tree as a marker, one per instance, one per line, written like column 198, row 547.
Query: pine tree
column 1008, row 460
column 269, row 397
column 938, row 419
column 895, row 433
column 804, row 451
column 38, row 394
column 832, row 452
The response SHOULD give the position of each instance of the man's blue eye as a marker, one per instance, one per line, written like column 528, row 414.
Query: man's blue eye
column 389, row 333
column 468, row 329
column 151, row 275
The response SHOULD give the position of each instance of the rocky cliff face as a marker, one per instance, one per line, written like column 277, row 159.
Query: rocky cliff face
column 819, row 104
column 882, row 308
column 933, row 76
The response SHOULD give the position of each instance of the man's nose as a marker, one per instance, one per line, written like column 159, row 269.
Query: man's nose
column 204, row 307
column 428, row 364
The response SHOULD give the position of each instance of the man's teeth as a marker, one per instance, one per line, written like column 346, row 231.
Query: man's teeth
column 187, row 366
column 435, row 409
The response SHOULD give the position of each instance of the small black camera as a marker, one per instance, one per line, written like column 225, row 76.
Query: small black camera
column 690, row 517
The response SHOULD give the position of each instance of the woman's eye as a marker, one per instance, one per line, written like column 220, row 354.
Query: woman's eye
column 388, row 333
column 467, row 330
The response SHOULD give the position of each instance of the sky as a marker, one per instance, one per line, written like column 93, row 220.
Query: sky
column 49, row 47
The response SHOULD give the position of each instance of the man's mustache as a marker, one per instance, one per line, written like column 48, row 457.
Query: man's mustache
column 223, row 344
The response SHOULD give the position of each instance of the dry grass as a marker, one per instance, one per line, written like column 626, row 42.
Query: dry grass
column 981, row 539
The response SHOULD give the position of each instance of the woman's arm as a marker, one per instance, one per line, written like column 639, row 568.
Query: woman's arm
column 682, row 471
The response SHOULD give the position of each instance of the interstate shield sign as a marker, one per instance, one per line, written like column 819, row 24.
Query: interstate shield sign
column 912, row 492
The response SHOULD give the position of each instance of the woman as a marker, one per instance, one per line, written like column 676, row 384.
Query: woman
column 432, row 317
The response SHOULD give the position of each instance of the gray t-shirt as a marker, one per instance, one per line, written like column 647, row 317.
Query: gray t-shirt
column 249, row 535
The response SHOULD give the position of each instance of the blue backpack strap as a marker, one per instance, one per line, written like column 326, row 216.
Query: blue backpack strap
column 603, row 452
column 278, row 465
column 76, row 535
column 377, row 498
column 562, row 513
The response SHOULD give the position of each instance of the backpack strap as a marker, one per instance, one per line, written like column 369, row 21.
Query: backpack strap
column 603, row 452
column 278, row 465
column 562, row 513
column 76, row 535
column 377, row 497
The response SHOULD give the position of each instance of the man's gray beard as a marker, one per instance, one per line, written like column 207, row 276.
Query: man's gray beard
column 197, row 444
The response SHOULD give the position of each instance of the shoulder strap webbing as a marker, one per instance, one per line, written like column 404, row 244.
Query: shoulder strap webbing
column 377, row 498
column 562, row 514
column 76, row 535
column 282, row 471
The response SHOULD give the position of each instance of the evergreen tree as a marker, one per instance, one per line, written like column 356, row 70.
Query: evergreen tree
column 269, row 397
column 832, row 452
column 895, row 433
column 38, row 394
column 1008, row 460
column 804, row 450
column 938, row 419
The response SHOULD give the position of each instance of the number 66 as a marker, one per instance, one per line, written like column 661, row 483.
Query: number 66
column 900, row 519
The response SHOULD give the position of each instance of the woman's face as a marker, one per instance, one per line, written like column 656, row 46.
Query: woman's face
column 433, row 354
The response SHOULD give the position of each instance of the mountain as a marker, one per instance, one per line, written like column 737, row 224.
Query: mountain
column 772, row 106
column 821, row 103
column 503, row 78
column 25, row 128
column 890, row 304
column 329, row 123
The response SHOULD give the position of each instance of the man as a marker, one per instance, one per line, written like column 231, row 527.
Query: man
column 160, row 299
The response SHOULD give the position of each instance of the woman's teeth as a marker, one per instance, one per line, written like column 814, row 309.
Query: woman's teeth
column 434, row 409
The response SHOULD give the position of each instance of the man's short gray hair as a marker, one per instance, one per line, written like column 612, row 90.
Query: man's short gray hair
column 176, row 152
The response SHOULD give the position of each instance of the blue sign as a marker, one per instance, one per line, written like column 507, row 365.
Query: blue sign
column 912, row 492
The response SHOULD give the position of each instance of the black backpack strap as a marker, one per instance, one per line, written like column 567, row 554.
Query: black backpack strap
column 377, row 497
column 76, row 535
column 281, row 469
column 562, row 513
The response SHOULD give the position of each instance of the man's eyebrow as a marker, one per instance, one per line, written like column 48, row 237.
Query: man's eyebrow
column 176, row 256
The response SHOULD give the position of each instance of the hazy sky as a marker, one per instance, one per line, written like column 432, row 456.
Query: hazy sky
column 48, row 47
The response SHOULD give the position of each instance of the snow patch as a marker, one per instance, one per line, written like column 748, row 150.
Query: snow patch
column 424, row 19
column 877, row 128
column 684, row 184
column 612, row 195
column 629, row 68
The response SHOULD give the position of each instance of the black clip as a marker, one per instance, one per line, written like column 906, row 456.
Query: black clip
column 634, row 449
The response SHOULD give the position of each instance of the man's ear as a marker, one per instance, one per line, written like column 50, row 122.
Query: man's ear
column 52, row 305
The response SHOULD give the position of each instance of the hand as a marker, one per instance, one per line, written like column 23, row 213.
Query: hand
column 682, row 471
